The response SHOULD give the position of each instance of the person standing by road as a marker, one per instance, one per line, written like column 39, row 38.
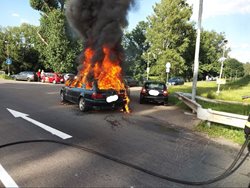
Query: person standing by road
column 38, row 75
column 42, row 74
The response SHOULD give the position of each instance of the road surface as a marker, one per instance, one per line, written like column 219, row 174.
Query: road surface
column 157, row 138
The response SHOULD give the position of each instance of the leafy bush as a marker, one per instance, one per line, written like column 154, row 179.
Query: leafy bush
column 5, row 76
column 211, row 95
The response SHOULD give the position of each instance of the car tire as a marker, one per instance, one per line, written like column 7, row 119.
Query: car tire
column 142, row 101
column 62, row 96
column 82, row 105
column 28, row 79
column 165, row 103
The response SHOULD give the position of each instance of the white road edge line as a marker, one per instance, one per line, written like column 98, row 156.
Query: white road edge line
column 6, row 179
column 53, row 131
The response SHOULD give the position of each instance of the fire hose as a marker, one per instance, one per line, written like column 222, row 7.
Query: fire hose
column 229, row 171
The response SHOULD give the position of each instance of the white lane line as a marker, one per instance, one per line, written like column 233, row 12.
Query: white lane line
column 48, row 128
column 6, row 179
column 53, row 93
column 53, row 131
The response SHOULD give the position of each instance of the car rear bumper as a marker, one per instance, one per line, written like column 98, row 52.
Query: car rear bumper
column 102, row 104
column 154, row 98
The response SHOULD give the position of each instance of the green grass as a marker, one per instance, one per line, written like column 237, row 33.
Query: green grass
column 222, row 131
column 231, row 91
column 4, row 76
column 230, row 108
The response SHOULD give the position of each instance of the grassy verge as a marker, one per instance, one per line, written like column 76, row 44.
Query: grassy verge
column 4, row 76
column 230, row 108
column 222, row 131
column 232, row 91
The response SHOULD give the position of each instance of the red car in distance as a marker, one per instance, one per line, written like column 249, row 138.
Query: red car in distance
column 54, row 78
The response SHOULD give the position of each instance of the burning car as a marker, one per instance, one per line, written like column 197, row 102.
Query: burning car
column 93, row 98
column 100, row 25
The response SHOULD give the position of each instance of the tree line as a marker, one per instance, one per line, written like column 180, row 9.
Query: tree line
column 168, row 35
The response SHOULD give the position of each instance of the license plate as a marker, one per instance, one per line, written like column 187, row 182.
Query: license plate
column 153, row 92
column 112, row 98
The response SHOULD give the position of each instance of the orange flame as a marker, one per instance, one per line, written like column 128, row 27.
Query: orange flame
column 108, row 73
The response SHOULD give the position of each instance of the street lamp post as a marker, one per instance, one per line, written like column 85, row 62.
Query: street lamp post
column 168, row 65
column 148, row 67
column 8, row 59
column 222, row 64
column 197, row 51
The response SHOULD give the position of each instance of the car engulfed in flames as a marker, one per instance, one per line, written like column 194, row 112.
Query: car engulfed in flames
column 98, row 84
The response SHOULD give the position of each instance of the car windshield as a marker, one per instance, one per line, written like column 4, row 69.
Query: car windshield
column 173, row 79
column 158, row 86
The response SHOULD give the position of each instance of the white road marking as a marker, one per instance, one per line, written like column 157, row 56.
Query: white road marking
column 53, row 93
column 56, row 132
column 6, row 179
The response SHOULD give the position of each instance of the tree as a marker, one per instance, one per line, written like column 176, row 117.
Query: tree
column 233, row 68
column 3, row 54
column 46, row 6
column 246, row 69
column 134, row 43
column 19, row 46
column 211, row 51
column 58, row 49
column 168, row 35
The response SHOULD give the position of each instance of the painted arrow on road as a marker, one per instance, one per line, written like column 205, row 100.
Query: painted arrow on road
column 56, row 132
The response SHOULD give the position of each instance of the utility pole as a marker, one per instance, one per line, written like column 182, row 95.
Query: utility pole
column 148, row 67
column 8, row 60
column 197, row 51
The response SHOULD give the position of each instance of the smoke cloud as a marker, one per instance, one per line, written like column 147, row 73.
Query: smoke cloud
column 99, row 23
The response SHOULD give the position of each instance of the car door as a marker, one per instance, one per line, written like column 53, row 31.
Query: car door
column 76, row 92
column 20, row 76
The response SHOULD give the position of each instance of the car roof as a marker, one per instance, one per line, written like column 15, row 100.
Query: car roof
column 27, row 72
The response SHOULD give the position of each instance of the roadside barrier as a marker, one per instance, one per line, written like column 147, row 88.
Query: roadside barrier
column 210, row 115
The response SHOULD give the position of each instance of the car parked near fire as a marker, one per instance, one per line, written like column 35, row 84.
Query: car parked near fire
column 52, row 78
column 176, row 81
column 130, row 81
column 25, row 75
column 153, row 91
column 93, row 98
column 67, row 76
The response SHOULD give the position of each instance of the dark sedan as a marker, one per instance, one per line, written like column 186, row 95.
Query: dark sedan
column 176, row 81
column 130, row 81
column 153, row 91
column 93, row 98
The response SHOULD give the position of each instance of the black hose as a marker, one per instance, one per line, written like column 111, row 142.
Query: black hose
column 227, row 173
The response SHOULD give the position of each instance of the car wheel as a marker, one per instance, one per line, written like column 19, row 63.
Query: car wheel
column 165, row 103
column 28, row 79
column 54, row 81
column 82, row 104
column 62, row 97
column 142, row 101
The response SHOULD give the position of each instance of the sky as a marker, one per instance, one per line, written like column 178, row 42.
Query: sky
column 228, row 16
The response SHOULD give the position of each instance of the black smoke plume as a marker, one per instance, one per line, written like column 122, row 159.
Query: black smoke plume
column 99, row 23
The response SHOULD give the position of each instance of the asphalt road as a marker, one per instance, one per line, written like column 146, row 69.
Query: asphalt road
column 153, row 137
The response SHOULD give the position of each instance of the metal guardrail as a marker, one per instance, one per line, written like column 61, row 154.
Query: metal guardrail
column 191, row 104
column 210, row 115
